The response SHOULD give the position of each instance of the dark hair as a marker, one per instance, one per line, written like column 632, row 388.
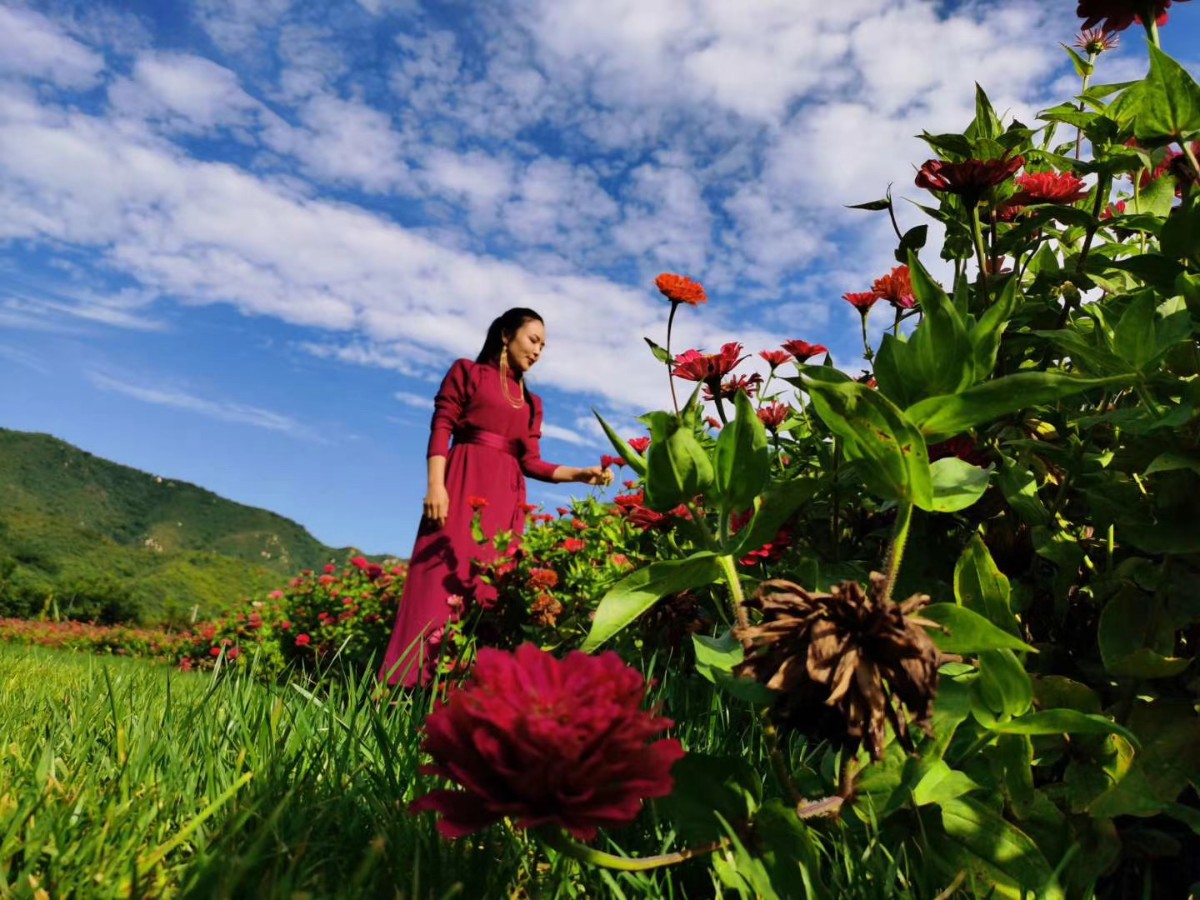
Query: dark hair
column 506, row 324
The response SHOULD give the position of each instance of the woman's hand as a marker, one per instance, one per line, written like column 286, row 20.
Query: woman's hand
column 597, row 475
column 437, row 505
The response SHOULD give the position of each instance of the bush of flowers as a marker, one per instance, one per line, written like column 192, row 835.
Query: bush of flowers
column 956, row 590
column 118, row 640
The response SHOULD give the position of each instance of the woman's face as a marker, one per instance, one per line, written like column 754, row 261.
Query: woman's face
column 526, row 345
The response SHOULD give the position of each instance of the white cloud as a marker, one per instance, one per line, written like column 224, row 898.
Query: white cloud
column 33, row 46
column 566, row 435
column 224, row 410
column 415, row 401
column 187, row 92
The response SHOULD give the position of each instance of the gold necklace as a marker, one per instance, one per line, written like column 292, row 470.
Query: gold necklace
column 517, row 404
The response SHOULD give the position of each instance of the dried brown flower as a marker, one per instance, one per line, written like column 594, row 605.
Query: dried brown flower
column 843, row 662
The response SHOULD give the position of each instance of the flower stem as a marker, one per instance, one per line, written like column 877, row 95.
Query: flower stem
column 868, row 353
column 1150, row 23
column 716, row 389
column 1191, row 157
column 899, row 541
column 980, row 254
column 735, row 588
column 1086, row 80
column 568, row 846
column 778, row 763
column 671, row 368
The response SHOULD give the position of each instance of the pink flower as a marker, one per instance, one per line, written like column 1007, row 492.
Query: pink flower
column 692, row 365
column 639, row 444
column 546, row 742
column 330, row 569
column 803, row 351
column 275, row 595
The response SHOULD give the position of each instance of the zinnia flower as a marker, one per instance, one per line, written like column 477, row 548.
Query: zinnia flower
column 775, row 358
column 543, row 579
column 844, row 663
column 679, row 289
column 896, row 288
column 572, row 545
column 803, row 351
column 1095, row 41
column 730, row 388
column 773, row 415
column 1117, row 15
column 303, row 640
column 967, row 179
column 639, row 444
column 546, row 742
column 478, row 503
column 1048, row 187
column 862, row 300
column 606, row 461
column 710, row 368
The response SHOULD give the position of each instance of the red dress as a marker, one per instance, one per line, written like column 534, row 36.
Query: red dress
column 495, row 447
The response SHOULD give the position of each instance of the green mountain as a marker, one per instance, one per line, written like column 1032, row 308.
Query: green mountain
column 96, row 540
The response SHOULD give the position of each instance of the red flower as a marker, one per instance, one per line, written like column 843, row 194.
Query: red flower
column 896, row 288
column 775, row 358
column 579, row 525
column 773, row 415
column 1096, row 41
column 730, row 388
column 968, row 179
column 620, row 561
column 303, row 640
column 546, row 742
column 529, row 508
column 1048, row 187
column 639, row 444
column 862, row 301
column 572, row 545
column 710, row 368
column 478, row 503
column 713, row 423
column 543, row 579
column 215, row 651
column 563, row 511
column 1117, row 15
column 1117, row 209
column 679, row 289
column 803, row 351
column 606, row 461
column 962, row 447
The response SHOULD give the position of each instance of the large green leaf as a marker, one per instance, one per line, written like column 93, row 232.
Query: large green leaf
column 677, row 467
column 938, row 358
column 772, row 511
column 981, row 587
column 627, row 453
column 993, row 849
column 956, row 484
column 1063, row 721
column 893, row 459
column 1003, row 686
column 966, row 631
column 984, row 338
column 638, row 591
column 742, row 463
column 1170, row 102
column 940, row 418
column 707, row 790
column 941, row 783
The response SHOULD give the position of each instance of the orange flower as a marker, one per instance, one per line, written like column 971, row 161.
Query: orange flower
column 681, row 289
column 896, row 288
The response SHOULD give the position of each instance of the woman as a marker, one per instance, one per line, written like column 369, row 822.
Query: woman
column 495, row 423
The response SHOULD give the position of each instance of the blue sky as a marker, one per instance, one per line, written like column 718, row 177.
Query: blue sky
column 241, row 240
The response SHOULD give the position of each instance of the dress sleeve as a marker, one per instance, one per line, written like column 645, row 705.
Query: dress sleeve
column 532, row 463
column 448, row 407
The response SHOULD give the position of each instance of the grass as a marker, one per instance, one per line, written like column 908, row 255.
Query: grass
column 120, row 778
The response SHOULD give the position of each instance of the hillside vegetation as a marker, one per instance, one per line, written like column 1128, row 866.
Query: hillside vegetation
column 93, row 539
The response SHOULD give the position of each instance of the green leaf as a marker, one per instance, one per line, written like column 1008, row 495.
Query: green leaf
column 640, row 590
column 787, row 849
column 956, row 484
column 678, row 469
column 1156, row 199
column 968, row 632
column 721, row 653
column 708, row 789
column 941, row 783
column 1133, row 338
column 742, row 463
column 981, row 587
column 1181, row 233
column 1083, row 68
column 1011, row 860
column 627, row 453
column 939, row 348
column 660, row 353
column 1003, row 686
column 984, row 338
column 1134, row 638
column 892, row 453
column 873, row 205
column 911, row 241
column 943, row 417
column 987, row 123
column 774, row 509
column 1063, row 721
column 1020, row 490
column 1170, row 102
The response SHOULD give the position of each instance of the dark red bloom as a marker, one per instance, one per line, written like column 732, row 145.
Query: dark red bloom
column 607, row 461
column 962, row 447
column 773, row 415
column 803, row 351
column 968, row 179
column 692, row 365
column 862, row 300
column 1117, row 15
column 896, row 288
column 680, row 289
column 478, row 503
column 729, row 388
column 546, row 742
column 775, row 358
column 1049, row 187
column 639, row 444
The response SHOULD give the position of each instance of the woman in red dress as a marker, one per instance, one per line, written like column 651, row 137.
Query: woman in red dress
column 495, row 424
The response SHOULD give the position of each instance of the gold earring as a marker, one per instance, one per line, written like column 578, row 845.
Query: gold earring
column 520, row 401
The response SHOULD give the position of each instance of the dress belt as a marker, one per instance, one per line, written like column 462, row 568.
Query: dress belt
column 511, row 446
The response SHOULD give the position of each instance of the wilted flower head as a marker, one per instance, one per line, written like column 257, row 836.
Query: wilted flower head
column 775, row 358
column 844, row 663
column 680, row 289
column 967, row 179
column 1117, row 15
column 730, row 387
column 896, row 288
column 1048, row 187
column 862, row 300
column 1095, row 41
column 710, row 368
column 803, row 351
column 546, row 742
